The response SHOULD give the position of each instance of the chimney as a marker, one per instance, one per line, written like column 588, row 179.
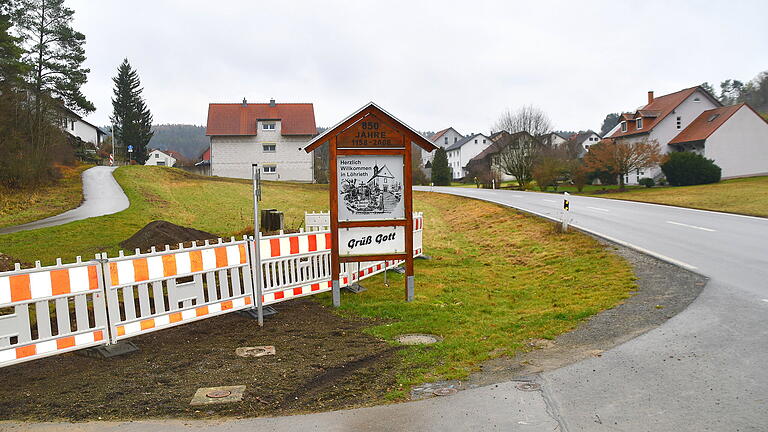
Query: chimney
column 272, row 102
column 245, row 102
column 650, row 96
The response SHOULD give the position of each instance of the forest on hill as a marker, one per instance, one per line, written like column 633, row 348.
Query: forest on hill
column 189, row 140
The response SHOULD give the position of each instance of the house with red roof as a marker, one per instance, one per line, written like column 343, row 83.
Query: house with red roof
column 735, row 137
column 444, row 139
column 272, row 135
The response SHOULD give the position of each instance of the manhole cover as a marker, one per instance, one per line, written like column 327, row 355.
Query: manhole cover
column 417, row 339
column 256, row 351
column 528, row 386
column 444, row 391
column 217, row 394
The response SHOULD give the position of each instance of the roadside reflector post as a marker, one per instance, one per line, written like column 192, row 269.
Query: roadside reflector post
column 566, row 212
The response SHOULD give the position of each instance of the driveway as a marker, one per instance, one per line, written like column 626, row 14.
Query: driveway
column 102, row 196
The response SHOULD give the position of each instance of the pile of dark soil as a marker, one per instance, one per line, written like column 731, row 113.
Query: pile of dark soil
column 160, row 233
column 322, row 362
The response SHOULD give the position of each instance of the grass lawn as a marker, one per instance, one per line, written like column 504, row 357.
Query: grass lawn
column 498, row 278
column 747, row 196
column 28, row 205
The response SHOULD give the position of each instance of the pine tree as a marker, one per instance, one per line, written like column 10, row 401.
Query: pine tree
column 54, row 52
column 131, row 117
column 441, row 173
column 11, row 67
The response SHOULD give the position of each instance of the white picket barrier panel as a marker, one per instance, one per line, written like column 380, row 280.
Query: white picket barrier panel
column 55, row 292
column 187, row 284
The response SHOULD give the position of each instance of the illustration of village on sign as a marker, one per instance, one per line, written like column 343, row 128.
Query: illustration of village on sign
column 378, row 194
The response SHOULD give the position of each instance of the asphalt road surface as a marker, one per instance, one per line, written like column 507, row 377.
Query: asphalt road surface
column 102, row 196
column 706, row 369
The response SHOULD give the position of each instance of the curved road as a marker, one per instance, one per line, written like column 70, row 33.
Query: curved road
column 706, row 369
column 101, row 196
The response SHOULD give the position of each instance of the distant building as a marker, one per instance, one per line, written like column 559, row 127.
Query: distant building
column 552, row 139
column 583, row 141
column 460, row 153
column 488, row 164
column 272, row 135
column 736, row 137
column 443, row 139
column 71, row 123
column 160, row 158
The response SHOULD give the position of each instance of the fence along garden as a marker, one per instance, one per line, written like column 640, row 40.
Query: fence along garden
column 52, row 310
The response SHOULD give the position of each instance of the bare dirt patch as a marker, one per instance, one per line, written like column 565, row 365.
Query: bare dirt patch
column 160, row 233
column 322, row 362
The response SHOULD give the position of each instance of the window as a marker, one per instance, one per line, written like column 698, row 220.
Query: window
column 623, row 126
column 696, row 99
column 269, row 148
column 270, row 169
column 475, row 141
column 445, row 140
column 679, row 122
column 640, row 123
column 72, row 126
column 712, row 117
column 268, row 126
column 483, row 141
column 455, row 139
column 157, row 155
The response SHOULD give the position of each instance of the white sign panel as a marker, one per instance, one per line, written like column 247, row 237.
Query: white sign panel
column 371, row 240
column 370, row 187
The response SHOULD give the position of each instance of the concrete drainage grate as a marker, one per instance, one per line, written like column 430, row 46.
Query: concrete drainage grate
column 418, row 339
column 218, row 395
column 444, row 391
column 528, row 386
column 440, row 388
column 257, row 351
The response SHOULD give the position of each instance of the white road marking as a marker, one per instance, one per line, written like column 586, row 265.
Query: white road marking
column 544, row 199
column 691, row 226
column 765, row 300
column 598, row 208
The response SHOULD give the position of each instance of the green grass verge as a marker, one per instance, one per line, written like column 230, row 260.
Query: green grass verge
column 20, row 206
column 747, row 196
column 498, row 278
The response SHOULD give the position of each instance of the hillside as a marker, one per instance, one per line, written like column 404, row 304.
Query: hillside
column 189, row 140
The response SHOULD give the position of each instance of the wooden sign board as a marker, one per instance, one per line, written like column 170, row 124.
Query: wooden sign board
column 371, row 190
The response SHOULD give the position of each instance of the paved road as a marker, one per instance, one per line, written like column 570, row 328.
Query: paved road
column 705, row 369
column 102, row 196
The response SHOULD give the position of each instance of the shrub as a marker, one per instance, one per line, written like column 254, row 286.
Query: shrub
column 685, row 168
column 647, row 182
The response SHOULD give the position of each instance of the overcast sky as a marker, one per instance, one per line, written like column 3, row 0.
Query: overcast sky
column 433, row 64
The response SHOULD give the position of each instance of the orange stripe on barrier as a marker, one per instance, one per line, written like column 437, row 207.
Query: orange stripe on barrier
column 20, row 290
column 328, row 240
column 93, row 278
column 315, row 287
column 243, row 256
column 65, row 342
column 274, row 247
column 226, row 305
column 147, row 324
column 120, row 330
column 297, row 291
column 312, row 242
column 196, row 260
column 98, row 335
column 26, row 351
column 294, row 242
column 247, row 300
column 221, row 257
column 169, row 265
column 113, row 274
column 140, row 270
column 202, row 310
column 175, row 317
column 60, row 282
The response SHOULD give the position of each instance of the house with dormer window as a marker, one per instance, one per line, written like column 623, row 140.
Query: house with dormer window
column 272, row 135
column 735, row 137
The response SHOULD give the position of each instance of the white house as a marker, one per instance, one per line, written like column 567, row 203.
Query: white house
column 443, row 138
column 272, row 135
column 77, row 126
column 552, row 139
column 463, row 150
column 159, row 158
column 584, row 140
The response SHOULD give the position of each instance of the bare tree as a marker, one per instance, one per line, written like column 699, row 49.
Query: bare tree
column 518, row 149
column 528, row 118
column 622, row 157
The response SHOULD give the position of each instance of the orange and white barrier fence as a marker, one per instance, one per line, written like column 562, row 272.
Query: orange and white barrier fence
column 71, row 296
column 46, row 311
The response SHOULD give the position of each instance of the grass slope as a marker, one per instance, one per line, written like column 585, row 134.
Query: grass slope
column 747, row 196
column 498, row 278
column 19, row 206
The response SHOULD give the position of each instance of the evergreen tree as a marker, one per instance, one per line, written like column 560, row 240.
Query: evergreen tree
column 11, row 67
column 441, row 173
column 54, row 52
column 131, row 117
column 610, row 121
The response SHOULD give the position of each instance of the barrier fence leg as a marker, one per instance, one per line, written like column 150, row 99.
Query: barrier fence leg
column 336, row 293
column 409, row 288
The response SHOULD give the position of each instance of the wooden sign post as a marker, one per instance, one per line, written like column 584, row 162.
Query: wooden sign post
column 371, row 190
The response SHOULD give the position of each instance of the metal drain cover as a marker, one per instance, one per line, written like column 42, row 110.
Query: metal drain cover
column 417, row 339
column 216, row 394
column 528, row 386
column 446, row 391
